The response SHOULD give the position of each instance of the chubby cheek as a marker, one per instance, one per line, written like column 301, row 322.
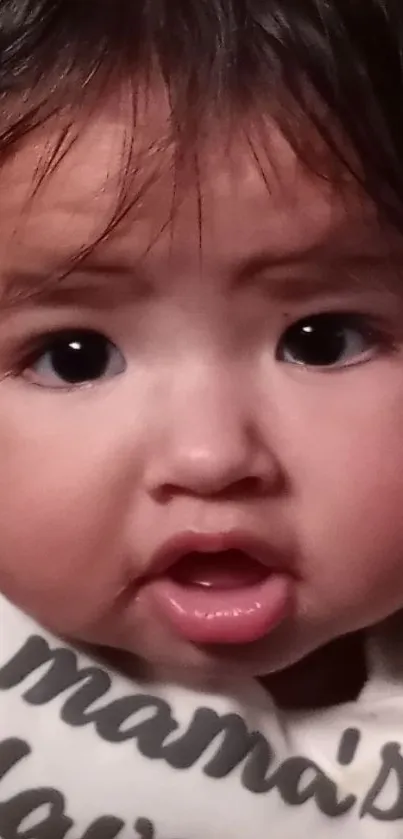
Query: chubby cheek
column 350, row 509
column 63, row 506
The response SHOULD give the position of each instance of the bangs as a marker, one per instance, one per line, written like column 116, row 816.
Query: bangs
column 328, row 74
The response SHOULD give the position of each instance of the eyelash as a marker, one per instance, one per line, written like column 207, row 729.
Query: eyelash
column 38, row 346
column 372, row 330
column 369, row 327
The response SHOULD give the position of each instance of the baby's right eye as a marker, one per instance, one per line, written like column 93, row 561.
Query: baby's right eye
column 72, row 358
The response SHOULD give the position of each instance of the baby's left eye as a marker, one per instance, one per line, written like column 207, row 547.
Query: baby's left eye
column 72, row 358
column 328, row 340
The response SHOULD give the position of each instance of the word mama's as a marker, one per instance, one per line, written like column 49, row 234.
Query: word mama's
column 297, row 779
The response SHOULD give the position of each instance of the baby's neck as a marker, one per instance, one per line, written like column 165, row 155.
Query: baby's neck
column 332, row 675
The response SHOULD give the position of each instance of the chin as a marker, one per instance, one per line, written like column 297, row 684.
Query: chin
column 230, row 661
column 163, row 651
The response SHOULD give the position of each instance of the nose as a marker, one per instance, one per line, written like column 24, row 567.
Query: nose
column 211, row 445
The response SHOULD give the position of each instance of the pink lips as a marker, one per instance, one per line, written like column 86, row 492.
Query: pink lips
column 219, row 588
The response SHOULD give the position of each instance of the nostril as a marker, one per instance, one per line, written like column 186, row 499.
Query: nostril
column 242, row 490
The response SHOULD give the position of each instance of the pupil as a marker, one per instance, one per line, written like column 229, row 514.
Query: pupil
column 317, row 343
column 81, row 358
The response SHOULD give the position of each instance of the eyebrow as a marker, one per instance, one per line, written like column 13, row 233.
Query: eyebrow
column 346, row 272
column 91, row 284
column 103, row 283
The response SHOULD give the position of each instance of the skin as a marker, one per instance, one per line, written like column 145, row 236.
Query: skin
column 203, row 428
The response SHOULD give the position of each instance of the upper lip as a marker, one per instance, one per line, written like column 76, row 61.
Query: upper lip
column 177, row 547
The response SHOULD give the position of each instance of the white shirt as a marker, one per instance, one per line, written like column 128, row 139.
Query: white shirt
column 87, row 753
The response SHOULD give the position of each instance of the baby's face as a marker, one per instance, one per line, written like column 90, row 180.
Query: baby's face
column 201, row 426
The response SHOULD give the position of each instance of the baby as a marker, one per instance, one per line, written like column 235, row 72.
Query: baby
column 201, row 446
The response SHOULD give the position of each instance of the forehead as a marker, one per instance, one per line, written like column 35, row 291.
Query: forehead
column 234, row 196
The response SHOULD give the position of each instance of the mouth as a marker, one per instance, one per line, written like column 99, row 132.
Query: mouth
column 220, row 588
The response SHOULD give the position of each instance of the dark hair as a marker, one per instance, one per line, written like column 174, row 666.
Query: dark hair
column 337, row 64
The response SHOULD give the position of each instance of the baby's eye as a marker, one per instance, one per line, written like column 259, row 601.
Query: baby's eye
column 328, row 340
column 72, row 358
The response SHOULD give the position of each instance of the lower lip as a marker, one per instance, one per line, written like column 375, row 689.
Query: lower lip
column 223, row 616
